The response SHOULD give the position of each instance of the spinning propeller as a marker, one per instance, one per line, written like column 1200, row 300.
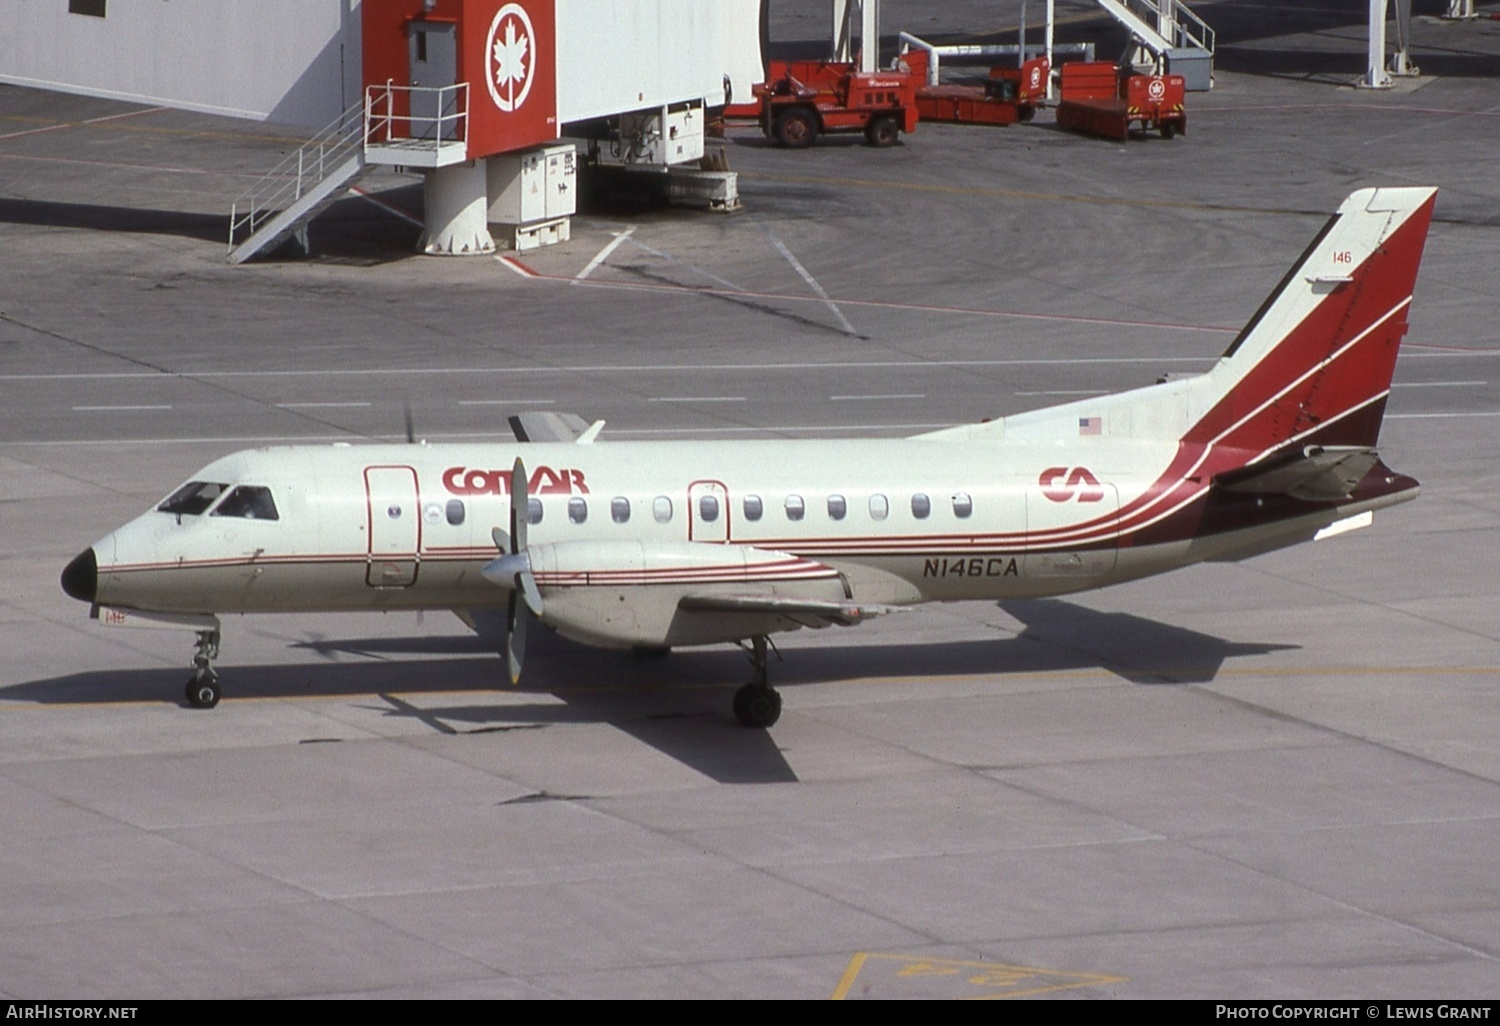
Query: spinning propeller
column 512, row 570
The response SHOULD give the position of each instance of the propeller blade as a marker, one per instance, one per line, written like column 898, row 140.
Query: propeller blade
column 519, row 507
column 529, row 590
column 515, row 641
column 501, row 540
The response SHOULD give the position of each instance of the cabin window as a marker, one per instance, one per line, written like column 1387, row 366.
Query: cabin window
column 795, row 510
column 962, row 506
column 248, row 502
column 921, row 506
column 880, row 507
column 578, row 510
column 533, row 511
column 753, row 507
column 708, row 508
column 455, row 512
column 192, row 498
column 837, row 507
column 619, row 509
column 661, row 509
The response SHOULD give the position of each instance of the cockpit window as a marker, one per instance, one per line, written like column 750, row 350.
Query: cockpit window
column 192, row 498
column 249, row 502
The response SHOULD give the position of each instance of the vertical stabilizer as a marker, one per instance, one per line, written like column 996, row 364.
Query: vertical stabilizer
column 1314, row 364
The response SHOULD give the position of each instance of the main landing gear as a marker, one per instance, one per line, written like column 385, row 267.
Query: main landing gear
column 203, row 686
column 757, row 704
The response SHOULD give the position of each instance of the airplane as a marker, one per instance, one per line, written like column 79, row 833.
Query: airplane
column 652, row 545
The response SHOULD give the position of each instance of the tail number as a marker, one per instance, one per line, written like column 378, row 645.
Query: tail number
column 1061, row 484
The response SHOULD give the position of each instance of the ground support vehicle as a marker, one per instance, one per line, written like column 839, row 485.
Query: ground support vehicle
column 1010, row 95
column 1097, row 99
column 802, row 99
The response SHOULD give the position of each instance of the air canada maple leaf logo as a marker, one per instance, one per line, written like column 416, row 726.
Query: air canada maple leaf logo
column 510, row 57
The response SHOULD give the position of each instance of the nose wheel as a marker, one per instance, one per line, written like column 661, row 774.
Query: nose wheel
column 757, row 704
column 203, row 687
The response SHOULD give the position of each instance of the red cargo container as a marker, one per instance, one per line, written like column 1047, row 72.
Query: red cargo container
column 1097, row 100
column 1011, row 94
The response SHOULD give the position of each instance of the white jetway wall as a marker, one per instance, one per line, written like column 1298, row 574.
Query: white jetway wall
column 291, row 61
column 617, row 57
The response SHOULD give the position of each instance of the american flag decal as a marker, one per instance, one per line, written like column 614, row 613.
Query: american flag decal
column 1090, row 425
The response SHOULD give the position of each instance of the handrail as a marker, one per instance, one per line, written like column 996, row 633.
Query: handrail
column 298, row 171
column 444, row 117
column 372, row 121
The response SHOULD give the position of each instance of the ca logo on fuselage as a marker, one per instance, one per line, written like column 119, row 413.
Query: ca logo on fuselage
column 1062, row 484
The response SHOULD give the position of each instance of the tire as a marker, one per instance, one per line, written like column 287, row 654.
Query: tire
column 202, row 694
column 1026, row 114
column 883, row 131
column 796, row 127
column 1168, row 129
column 757, row 706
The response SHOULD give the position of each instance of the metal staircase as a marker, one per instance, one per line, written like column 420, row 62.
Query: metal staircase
column 300, row 188
column 431, row 134
column 1166, row 29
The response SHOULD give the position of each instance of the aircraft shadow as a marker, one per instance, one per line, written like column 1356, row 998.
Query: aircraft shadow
column 677, row 704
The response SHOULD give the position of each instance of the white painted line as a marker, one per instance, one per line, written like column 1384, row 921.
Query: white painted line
column 607, row 368
column 1418, row 416
column 604, row 253
column 1074, row 391
column 1436, row 384
column 856, row 398
column 618, row 368
column 114, row 409
column 698, row 399
column 812, row 282
column 320, row 406
column 506, row 402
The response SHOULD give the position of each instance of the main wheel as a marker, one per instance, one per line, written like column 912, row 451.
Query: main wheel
column 796, row 127
column 883, row 131
column 756, row 705
column 203, row 693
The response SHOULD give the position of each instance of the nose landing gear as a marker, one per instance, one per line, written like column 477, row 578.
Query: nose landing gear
column 203, row 687
column 757, row 704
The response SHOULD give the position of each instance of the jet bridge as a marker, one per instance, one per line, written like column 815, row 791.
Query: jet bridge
column 468, row 91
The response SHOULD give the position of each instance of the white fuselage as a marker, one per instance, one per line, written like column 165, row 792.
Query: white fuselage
column 628, row 528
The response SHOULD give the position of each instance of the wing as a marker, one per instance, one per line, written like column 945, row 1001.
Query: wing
column 547, row 426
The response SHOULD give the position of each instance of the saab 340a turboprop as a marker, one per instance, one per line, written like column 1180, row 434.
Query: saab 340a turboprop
column 656, row 544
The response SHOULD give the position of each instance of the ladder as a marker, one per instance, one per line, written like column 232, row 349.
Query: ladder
column 1162, row 27
column 301, row 187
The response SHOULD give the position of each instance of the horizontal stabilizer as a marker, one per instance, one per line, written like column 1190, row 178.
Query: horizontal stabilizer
column 808, row 612
column 1316, row 474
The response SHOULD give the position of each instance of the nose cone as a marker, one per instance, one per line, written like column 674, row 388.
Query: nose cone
column 80, row 578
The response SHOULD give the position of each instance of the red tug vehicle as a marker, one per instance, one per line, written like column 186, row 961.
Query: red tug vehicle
column 802, row 99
